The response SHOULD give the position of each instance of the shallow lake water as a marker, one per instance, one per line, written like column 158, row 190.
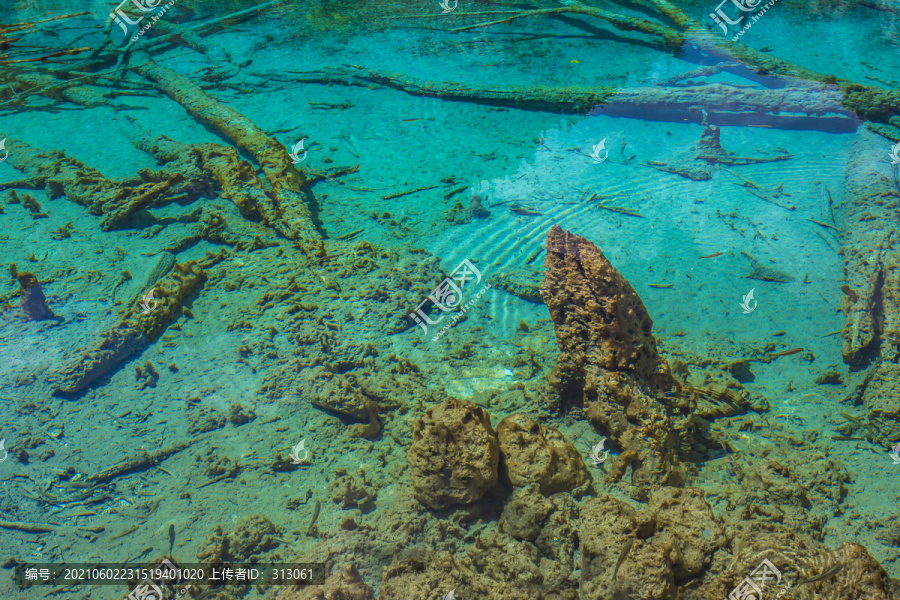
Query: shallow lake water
column 449, row 300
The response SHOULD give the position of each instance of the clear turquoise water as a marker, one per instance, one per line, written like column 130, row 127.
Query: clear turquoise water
column 248, row 338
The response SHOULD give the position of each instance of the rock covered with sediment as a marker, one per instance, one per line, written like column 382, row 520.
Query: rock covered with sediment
column 667, row 544
column 810, row 569
column 454, row 456
column 868, row 218
column 562, row 548
column 340, row 393
column 608, row 359
column 533, row 453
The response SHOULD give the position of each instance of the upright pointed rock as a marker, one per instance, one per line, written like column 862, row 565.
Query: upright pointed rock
column 609, row 362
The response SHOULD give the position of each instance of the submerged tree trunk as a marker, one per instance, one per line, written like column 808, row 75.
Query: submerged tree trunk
column 795, row 107
column 294, row 219
column 868, row 217
column 868, row 102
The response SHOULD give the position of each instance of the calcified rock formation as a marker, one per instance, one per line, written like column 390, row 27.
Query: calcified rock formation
column 608, row 361
column 868, row 218
column 454, row 456
column 533, row 453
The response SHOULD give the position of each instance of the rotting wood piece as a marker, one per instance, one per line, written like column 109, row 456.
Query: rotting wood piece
column 8, row 41
column 193, row 40
column 761, row 272
column 868, row 102
column 145, row 196
column 670, row 36
column 868, row 220
column 28, row 527
column 61, row 175
column 870, row 245
column 55, row 89
column 294, row 220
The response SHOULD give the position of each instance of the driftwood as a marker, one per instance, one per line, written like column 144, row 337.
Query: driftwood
column 136, row 330
column 44, row 527
column 115, row 201
column 671, row 36
column 868, row 219
column 697, row 163
column 28, row 527
column 691, row 171
column 10, row 33
column 207, row 163
column 701, row 72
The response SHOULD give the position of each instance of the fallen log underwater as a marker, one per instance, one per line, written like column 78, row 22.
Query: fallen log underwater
column 293, row 219
column 798, row 107
column 868, row 217
column 692, row 42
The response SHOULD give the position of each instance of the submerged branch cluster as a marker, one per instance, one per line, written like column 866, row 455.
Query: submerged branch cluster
column 818, row 93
